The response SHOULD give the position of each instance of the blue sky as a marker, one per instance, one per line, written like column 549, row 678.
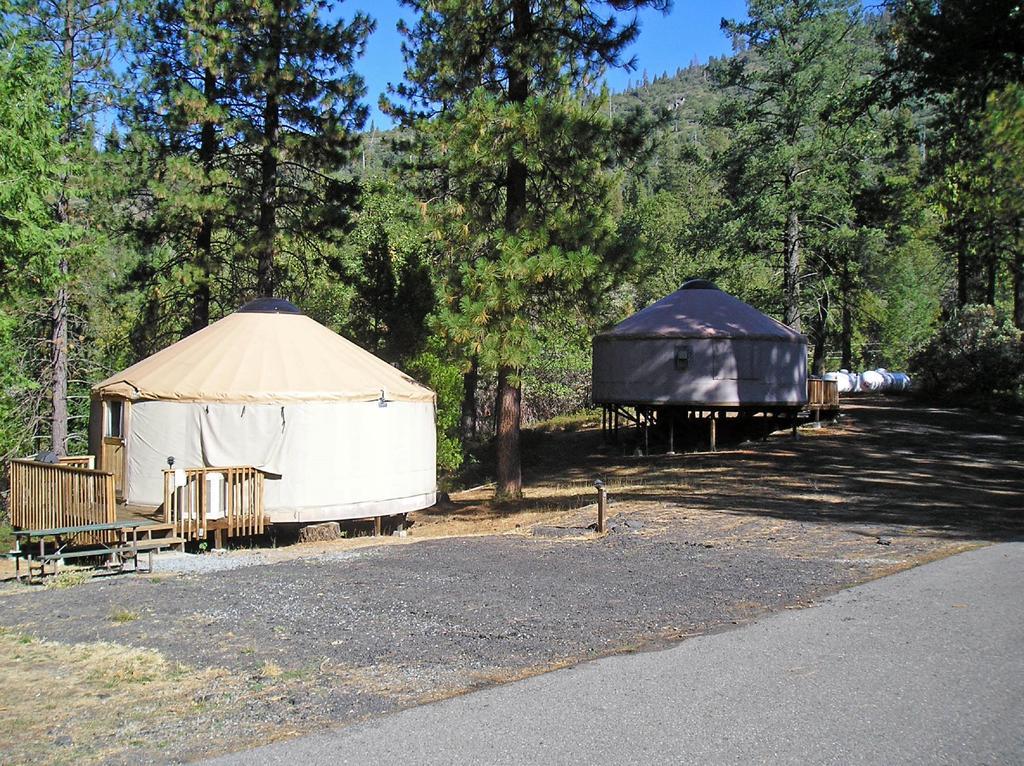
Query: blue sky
column 665, row 42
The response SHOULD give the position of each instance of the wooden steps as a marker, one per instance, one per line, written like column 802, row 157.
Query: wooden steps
column 156, row 537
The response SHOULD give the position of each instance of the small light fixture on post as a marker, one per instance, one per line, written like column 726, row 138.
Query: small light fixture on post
column 602, row 502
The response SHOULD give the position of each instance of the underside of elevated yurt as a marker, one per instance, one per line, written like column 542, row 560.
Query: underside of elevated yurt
column 332, row 431
column 698, row 354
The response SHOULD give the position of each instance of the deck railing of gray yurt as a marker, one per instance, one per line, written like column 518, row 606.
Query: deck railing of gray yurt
column 188, row 501
column 822, row 394
column 65, row 494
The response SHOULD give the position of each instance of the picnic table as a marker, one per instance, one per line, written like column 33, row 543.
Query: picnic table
column 67, row 543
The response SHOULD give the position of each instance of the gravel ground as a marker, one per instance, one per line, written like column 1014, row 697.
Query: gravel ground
column 177, row 562
column 383, row 628
column 440, row 610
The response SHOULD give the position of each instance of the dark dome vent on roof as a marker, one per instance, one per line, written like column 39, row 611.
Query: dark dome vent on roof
column 699, row 284
column 269, row 306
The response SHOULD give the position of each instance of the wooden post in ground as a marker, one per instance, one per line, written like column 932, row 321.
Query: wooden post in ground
column 602, row 503
column 376, row 526
column 711, row 431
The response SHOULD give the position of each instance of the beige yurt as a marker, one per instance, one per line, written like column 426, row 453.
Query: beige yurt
column 337, row 432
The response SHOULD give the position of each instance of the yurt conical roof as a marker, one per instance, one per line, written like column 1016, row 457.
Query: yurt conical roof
column 266, row 352
column 699, row 309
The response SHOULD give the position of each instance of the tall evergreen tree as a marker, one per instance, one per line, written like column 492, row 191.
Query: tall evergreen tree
column 181, row 111
column 298, row 107
column 249, row 111
column 83, row 37
column 29, row 155
column 500, row 89
column 954, row 55
column 1002, row 131
column 785, row 167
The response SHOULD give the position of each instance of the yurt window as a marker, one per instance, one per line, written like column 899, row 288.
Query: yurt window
column 114, row 425
column 682, row 357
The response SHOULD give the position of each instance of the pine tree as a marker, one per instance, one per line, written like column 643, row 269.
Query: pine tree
column 30, row 153
column 248, row 115
column 955, row 55
column 1002, row 130
column 796, row 62
column 82, row 36
column 297, row 111
column 519, row 143
column 182, row 121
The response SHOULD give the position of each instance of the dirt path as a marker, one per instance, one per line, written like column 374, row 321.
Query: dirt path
column 318, row 635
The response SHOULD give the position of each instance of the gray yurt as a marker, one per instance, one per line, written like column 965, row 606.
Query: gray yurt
column 699, row 352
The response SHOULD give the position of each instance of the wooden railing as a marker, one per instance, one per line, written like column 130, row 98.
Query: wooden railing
column 822, row 394
column 78, row 461
column 48, row 495
column 193, row 508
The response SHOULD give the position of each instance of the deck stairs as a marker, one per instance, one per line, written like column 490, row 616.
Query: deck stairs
column 159, row 536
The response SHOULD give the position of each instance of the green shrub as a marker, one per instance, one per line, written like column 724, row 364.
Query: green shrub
column 974, row 357
column 445, row 379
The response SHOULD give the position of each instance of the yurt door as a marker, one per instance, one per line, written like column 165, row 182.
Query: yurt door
column 113, row 456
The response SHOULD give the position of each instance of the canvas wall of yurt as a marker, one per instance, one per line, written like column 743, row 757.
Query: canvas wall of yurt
column 337, row 432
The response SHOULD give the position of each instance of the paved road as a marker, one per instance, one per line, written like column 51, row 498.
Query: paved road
column 924, row 667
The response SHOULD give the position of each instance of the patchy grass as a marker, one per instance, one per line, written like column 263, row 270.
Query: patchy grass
column 121, row 616
column 573, row 422
column 61, row 702
column 102, row 702
column 68, row 578
column 270, row 669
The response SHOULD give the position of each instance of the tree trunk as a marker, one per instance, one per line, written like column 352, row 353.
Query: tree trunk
column 962, row 296
column 467, row 421
column 59, row 313
column 992, row 268
column 846, row 333
column 59, row 367
column 791, row 272
column 204, row 240
column 1018, row 282
column 820, row 338
column 819, row 356
column 268, row 167
column 509, row 478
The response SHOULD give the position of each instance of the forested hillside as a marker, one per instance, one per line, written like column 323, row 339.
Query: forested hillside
column 857, row 175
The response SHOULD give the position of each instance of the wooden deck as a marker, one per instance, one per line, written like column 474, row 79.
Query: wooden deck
column 227, row 502
column 125, row 512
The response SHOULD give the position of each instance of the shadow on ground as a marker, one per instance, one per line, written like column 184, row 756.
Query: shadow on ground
column 889, row 462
